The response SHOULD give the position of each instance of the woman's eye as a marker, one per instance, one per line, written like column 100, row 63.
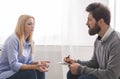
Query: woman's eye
column 29, row 24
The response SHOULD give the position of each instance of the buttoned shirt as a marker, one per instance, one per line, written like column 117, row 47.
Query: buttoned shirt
column 11, row 59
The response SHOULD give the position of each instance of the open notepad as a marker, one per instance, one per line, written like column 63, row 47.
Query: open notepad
column 63, row 63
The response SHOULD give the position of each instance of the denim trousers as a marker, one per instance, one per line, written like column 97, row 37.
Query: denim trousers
column 71, row 76
column 28, row 74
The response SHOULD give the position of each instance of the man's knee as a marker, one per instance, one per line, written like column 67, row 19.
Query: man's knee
column 87, row 77
column 72, row 76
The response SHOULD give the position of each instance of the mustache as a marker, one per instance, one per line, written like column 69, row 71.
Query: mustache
column 88, row 26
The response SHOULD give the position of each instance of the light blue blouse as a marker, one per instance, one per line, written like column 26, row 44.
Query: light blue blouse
column 10, row 58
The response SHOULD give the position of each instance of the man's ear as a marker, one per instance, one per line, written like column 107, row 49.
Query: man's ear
column 101, row 21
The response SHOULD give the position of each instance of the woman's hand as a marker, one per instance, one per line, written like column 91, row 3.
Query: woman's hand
column 45, row 63
column 43, row 66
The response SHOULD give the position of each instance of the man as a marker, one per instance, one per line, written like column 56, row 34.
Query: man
column 105, row 63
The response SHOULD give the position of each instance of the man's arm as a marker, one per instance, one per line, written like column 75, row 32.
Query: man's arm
column 91, row 63
column 112, row 70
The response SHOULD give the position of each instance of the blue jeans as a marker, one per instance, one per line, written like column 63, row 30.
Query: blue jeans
column 28, row 74
column 71, row 76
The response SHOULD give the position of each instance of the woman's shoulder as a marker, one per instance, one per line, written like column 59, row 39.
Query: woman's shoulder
column 12, row 37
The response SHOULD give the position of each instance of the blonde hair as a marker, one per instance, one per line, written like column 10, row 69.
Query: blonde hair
column 20, row 31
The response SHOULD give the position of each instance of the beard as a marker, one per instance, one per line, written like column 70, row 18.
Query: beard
column 95, row 30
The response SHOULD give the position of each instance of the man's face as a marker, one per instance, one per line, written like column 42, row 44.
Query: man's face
column 93, row 26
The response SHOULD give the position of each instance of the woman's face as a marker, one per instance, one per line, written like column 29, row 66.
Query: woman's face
column 29, row 26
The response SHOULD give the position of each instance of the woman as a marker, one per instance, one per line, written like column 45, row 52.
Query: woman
column 16, row 55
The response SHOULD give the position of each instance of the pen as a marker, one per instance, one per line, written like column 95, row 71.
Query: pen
column 68, row 56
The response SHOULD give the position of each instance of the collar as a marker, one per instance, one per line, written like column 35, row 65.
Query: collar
column 107, row 34
column 27, row 42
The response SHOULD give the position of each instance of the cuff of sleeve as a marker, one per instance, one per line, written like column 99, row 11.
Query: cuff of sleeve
column 80, row 70
column 17, row 67
column 30, row 62
column 78, row 61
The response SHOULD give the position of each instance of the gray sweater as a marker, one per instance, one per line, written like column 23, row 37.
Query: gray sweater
column 105, row 63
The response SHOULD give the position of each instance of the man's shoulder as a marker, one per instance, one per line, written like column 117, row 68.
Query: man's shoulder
column 116, row 34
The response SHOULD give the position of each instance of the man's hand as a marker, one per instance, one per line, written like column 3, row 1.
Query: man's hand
column 69, row 60
column 73, row 68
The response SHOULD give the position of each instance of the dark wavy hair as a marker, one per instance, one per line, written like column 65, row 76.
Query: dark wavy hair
column 99, row 11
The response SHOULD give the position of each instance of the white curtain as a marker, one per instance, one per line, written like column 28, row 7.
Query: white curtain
column 114, row 7
column 117, row 14
column 58, row 22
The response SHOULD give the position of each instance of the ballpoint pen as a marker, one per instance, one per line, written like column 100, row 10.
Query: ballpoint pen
column 68, row 57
